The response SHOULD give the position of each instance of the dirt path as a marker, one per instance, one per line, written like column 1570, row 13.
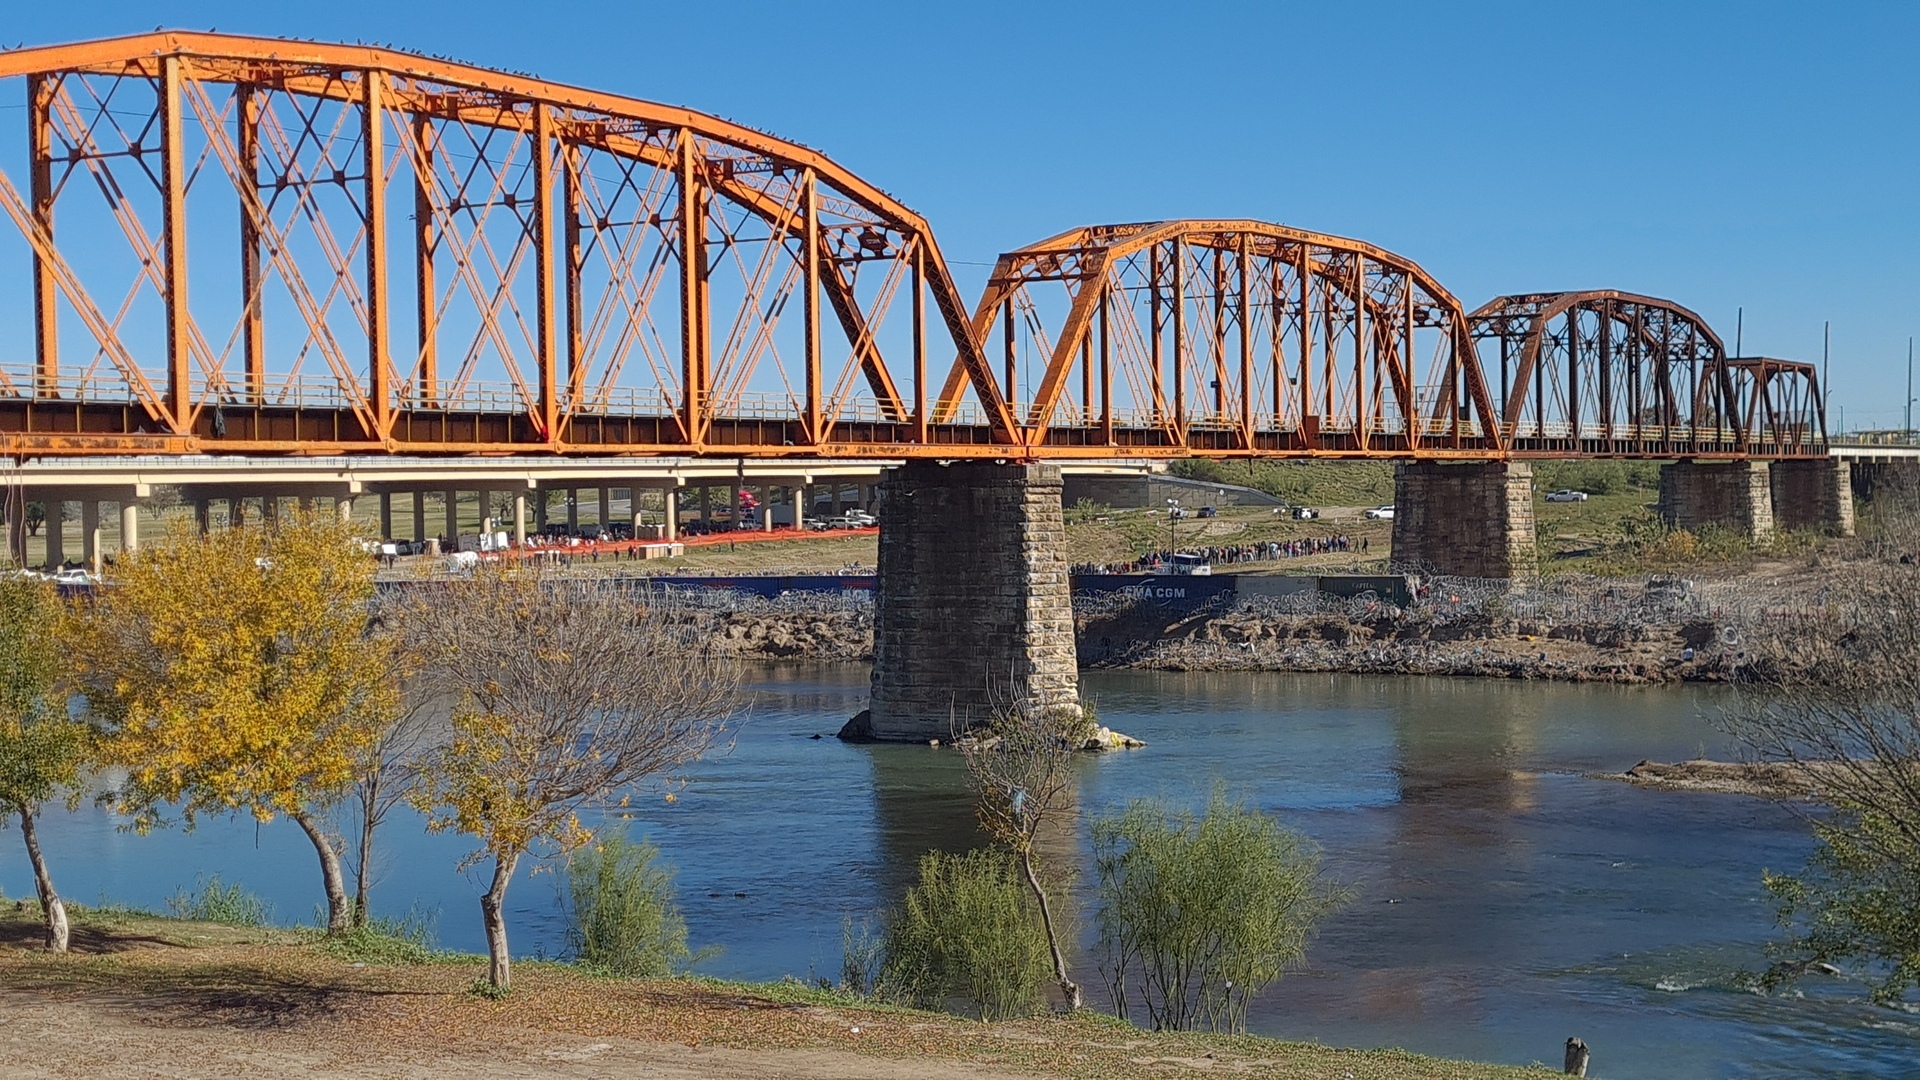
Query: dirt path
column 110, row 1039
column 146, row 997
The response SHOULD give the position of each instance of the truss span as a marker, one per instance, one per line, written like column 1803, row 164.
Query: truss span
column 245, row 245
column 1606, row 373
column 1229, row 338
column 389, row 252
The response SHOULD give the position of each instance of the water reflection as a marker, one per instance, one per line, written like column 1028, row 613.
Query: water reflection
column 1505, row 902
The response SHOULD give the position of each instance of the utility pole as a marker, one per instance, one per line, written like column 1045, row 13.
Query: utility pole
column 1909, row 428
column 1826, row 358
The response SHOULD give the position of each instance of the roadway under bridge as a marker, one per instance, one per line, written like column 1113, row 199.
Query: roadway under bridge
column 244, row 255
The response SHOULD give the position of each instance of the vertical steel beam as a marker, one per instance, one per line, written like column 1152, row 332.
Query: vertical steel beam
column 1008, row 335
column 919, row 350
column 1086, row 376
column 1106, row 365
column 571, row 263
column 1305, row 274
column 173, row 270
column 1360, row 388
column 546, row 250
column 373, row 143
column 1409, row 405
column 41, row 90
column 1180, row 337
column 810, row 306
column 253, row 346
column 693, row 360
column 1246, row 345
column 1606, row 372
column 1153, row 321
column 426, row 239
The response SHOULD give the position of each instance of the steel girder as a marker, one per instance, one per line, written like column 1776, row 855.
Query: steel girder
column 1229, row 338
column 1607, row 373
column 398, row 253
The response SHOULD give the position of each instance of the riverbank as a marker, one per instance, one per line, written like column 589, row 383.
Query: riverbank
column 145, row 996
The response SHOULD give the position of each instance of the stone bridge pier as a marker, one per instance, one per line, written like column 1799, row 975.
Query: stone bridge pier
column 1755, row 498
column 973, row 602
column 1468, row 519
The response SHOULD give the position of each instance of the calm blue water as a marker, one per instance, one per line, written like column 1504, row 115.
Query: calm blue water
column 1506, row 901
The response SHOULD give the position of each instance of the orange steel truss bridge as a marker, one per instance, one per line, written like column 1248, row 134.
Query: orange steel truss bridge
column 246, row 245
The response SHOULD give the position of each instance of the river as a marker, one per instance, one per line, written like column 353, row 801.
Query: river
column 1505, row 899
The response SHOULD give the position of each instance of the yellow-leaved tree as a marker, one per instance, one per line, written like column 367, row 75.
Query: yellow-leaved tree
column 42, row 748
column 238, row 672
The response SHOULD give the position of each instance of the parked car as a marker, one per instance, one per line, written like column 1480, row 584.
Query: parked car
column 1566, row 495
column 856, row 519
column 1380, row 513
column 1305, row 513
column 1208, row 511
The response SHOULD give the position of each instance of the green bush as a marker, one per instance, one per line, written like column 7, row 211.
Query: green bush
column 622, row 914
column 967, row 932
column 1597, row 477
column 1199, row 914
column 406, row 940
column 220, row 903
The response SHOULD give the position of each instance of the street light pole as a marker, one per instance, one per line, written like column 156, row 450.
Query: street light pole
column 1173, row 515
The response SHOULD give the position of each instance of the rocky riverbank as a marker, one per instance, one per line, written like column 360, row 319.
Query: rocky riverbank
column 1652, row 630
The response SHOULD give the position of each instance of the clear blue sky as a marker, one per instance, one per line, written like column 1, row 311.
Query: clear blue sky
column 1726, row 155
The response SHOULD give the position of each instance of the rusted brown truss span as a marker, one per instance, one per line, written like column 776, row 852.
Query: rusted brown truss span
column 1610, row 373
column 395, row 254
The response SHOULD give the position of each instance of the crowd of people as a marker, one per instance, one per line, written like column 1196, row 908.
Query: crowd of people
column 1153, row 562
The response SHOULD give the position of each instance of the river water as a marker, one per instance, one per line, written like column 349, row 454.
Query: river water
column 1505, row 899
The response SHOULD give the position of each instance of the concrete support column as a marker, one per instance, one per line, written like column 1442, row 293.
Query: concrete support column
column 1734, row 495
column 540, row 511
column 520, row 517
column 606, row 507
column 573, row 510
column 973, row 602
column 800, row 507
column 130, row 525
column 90, row 534
column 203, row 514
column 419, row 515
column 343, row 509
column 1813, row 494
column 56, row 532
column 306, row 504
column 670, row 513
column 386, row 515
column 453, row 516
column 1470, row 520
column 766, row 511
column 269, row 510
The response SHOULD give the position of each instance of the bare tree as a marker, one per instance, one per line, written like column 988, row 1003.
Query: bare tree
column 389, row 768
column 1021, row 763
column 1838, row 704
column 565, row 695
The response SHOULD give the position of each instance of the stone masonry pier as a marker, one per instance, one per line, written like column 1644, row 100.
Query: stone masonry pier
column 1466, row 520
column 1734, row 495
column 1815, row 495
column 973, row 602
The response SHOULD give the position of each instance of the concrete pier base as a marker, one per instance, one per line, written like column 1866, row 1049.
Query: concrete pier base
column 974, row 604
column 1468, row 520
column 1813, row 494
column 1735, row 495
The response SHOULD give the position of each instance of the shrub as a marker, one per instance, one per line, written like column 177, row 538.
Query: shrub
column 967, row 932
column 220, row 903
column 1197, row 915
column 379, row 940
column 622, row 914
